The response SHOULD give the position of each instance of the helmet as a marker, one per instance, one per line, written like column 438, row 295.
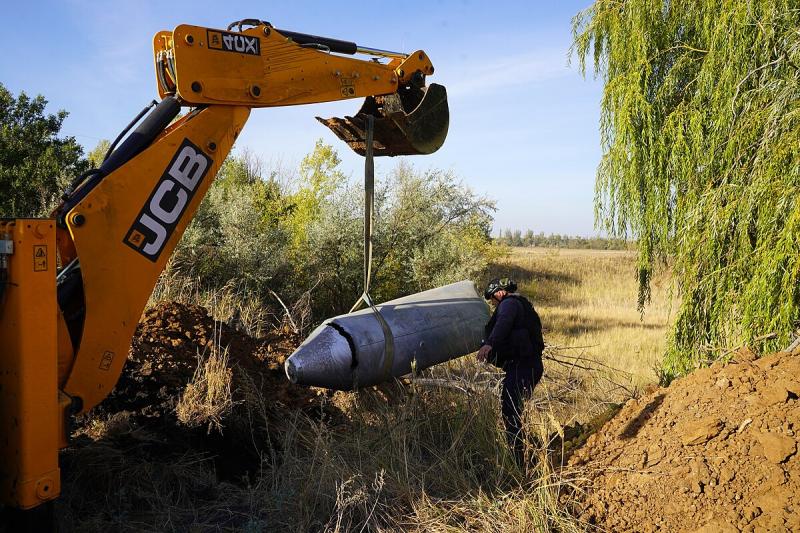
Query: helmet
column 499, row 284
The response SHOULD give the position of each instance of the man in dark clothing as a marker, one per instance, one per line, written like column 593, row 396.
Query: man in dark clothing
column 513, row 342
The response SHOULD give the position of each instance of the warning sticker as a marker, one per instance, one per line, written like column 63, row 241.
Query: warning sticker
column 39, row 257
column 347, row 86
column 105, row 361
column 136, row 239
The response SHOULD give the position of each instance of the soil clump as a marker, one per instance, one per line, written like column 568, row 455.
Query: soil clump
column 170, row 341
column 717, row 450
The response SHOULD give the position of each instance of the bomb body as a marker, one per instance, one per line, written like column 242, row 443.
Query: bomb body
column 350, row 351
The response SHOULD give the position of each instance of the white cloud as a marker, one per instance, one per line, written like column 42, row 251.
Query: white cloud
column 480, row 76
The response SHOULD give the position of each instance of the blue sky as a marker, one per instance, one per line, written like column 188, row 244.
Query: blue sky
column 523, row 123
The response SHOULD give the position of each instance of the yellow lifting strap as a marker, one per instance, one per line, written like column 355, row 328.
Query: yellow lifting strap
column 369, row 212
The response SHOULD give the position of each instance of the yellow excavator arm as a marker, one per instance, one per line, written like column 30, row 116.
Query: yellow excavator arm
column 72, row 288
column 276, row 67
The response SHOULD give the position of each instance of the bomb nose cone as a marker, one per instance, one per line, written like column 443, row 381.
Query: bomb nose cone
column 324, row 357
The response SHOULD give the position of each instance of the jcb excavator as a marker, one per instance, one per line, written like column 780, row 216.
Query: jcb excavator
column 73, row 287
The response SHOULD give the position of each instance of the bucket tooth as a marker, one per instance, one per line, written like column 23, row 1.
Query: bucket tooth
column 342, row 128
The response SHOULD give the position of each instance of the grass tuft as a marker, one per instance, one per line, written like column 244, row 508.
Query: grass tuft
column 208, row 397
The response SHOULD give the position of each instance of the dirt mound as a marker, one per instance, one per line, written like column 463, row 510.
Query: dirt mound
column 170, row 340
column 135, row 455
column 714, row 451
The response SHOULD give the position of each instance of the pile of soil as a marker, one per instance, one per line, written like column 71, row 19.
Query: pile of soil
column 714, row 451
column 172, row 338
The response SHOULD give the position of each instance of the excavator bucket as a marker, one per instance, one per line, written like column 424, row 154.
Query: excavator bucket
column 412, row 121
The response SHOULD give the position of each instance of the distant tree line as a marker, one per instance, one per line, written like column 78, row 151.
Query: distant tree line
column 556, row 240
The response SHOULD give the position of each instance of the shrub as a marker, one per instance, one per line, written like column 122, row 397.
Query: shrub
column 303, row 236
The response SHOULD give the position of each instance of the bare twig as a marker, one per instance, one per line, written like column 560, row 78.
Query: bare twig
column 794, row 344
column 462, row 386
column 728, row 351
column 288, row 314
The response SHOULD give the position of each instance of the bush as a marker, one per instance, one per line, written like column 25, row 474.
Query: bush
column 289, row 236
column 231, row 240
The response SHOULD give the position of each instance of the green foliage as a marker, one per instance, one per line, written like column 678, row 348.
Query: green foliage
column 431, row 230
column 306, row 235
column 231, row 241
column 98, row 153
column 700, row 128
column 319, row 180
column 35, row 164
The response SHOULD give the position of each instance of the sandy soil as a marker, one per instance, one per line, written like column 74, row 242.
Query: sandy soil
column 714, row 451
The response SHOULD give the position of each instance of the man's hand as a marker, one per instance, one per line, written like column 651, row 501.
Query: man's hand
column 484, row 352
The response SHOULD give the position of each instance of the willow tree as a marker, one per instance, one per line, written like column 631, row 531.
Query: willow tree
column 700, row 130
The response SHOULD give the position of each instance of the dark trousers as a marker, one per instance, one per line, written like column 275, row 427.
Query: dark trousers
column 521, row 377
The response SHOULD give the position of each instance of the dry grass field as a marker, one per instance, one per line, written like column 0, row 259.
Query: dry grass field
column 428, row 454
column 587, row 301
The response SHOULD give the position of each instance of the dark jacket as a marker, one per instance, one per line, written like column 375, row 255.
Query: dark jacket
column 515, row 332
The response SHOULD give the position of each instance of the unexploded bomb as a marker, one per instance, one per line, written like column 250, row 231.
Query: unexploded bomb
column 351, row 351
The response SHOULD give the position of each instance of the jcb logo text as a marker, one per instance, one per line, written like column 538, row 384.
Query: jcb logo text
column 163, row 211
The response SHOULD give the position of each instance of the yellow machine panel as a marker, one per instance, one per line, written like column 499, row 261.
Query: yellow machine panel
column 259, row 67
column 29, row 411
column 125, row 247
column 263, row 66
